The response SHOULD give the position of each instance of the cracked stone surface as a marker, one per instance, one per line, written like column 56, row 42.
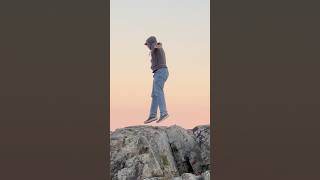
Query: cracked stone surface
column 160, row 153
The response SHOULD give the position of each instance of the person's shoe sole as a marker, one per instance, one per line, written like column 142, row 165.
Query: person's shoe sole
column 150, row 120
column 160, row 120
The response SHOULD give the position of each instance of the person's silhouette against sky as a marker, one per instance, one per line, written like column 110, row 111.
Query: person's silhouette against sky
column 160, row 75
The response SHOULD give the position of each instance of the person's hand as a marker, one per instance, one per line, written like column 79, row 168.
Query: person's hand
column 158, row 45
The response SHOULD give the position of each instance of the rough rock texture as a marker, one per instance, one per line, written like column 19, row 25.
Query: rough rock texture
column 206, row 175
column 186, row 176
column 202, row 134
column 185, row 149
column 160, row 153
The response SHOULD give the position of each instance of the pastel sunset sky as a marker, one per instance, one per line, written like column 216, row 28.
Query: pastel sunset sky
column 183, row 26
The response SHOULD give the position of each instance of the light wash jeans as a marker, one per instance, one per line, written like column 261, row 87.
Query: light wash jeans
column 158, row 99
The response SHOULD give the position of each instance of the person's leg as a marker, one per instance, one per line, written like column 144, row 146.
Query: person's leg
column 158, row 98
column 162, row 105
column 154, row 101
column 161, row 98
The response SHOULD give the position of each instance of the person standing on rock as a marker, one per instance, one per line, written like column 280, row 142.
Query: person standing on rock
column 160, row 76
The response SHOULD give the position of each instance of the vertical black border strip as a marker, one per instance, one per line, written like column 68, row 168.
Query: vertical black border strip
column 212, row 99
column 108, row 170
column 54, row 91
column 266, row 89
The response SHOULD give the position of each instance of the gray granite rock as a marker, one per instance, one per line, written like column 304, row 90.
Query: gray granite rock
column 189, row 176
column 202, row 134
column 206, row 175
column 141, row 152
column 159, row 153
column 185, row 149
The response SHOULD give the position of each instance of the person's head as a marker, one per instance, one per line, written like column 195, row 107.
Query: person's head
column 151, row 42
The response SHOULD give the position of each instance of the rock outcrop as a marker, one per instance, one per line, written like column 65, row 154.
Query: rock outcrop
column 160, row 153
